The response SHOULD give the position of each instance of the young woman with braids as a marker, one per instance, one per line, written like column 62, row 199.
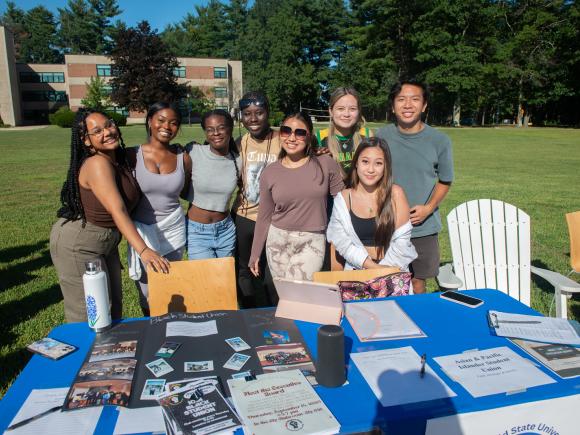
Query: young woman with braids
column 215, row 174
column 163, row 172
column 97, row 198
column 370, row 224
column 293, row 196
column 258, row 148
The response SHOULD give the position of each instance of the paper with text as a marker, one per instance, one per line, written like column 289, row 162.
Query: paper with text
column 394, row 376
column 139, row 420
column 492, row 371
column 191, row 329
column 58, row 422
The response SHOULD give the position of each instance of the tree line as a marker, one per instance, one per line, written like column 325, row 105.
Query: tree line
column 484, row 60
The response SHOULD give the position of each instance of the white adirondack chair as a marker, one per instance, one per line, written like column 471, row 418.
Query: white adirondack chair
column 490, row 243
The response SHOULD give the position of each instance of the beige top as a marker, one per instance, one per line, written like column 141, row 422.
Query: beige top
column 255, row 156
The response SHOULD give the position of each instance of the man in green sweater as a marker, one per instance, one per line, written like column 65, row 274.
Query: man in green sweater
column 423, row 167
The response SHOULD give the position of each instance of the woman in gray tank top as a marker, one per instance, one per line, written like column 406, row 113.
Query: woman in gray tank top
column 160, row 169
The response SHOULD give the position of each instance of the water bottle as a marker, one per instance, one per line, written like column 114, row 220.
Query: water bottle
column 96, row 296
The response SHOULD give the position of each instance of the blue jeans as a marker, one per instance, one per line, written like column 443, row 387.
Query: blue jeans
column 211, row 240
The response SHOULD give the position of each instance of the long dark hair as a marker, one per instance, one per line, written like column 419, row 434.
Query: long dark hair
column 232, row 147
column 386, row 217
column 156, row 107
column 310, row 145
column 71, row 206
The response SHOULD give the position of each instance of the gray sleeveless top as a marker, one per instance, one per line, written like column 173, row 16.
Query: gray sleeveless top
column 160, row 191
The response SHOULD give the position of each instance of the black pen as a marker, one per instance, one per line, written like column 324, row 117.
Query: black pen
column 423, row 361
column 35, row 417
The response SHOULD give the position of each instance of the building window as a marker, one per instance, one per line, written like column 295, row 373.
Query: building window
column 226, row 108
column 107, row 89
column 104, row 71
column 220, row 92
column 120, row 110
column 179, row 72
column 50, row 96
column 41, row 77
column 219, row 73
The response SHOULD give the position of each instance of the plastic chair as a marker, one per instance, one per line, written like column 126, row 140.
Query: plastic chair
column 490, row 244
column 573, row 220
column 194, row 286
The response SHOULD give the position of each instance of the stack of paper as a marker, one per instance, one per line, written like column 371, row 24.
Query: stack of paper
column 381, row 320
column 536, row 328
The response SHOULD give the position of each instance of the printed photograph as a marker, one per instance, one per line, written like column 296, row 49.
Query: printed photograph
column 284, row 357
column 276, row 337
column 121, row 368
column 51, row 348
column 198, row 366
column 97, row 393
column 237, row 344
column 121, row 349
column 159, row 367
column 152, row 388
column 168, row 349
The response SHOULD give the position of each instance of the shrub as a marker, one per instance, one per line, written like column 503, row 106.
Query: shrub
column 63, row 117
column 276, row 118
column 119, row 119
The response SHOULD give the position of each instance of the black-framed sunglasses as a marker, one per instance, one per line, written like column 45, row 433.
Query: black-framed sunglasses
column 299, row 133
column 247, row 102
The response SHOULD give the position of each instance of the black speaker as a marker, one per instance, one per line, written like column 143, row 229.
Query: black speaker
column 330, row 367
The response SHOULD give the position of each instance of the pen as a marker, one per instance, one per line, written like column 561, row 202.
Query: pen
column 423, row 361
column 35, row 417
column 523, row 322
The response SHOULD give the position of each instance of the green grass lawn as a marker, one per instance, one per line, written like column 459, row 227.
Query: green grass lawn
column 534, row 169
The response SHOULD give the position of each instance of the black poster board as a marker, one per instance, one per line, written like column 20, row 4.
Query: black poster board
column 249, row 325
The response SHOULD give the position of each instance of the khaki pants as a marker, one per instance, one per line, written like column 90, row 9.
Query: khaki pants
column 294, row 254
column 71, row 246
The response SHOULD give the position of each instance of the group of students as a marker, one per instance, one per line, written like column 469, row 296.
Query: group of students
column 285, row 182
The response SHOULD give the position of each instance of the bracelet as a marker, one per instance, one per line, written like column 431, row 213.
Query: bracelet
column 143, row 250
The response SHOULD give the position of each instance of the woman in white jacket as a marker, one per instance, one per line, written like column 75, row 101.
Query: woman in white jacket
column 370, row 225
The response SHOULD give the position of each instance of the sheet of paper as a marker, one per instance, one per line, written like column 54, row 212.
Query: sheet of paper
column 394, row 376
column 492, row 371
column 562, row 359
column 536, row 328
column 281, row 403
column 381, row 320
column 139, row 420
column 58, row 422
column 191, row 329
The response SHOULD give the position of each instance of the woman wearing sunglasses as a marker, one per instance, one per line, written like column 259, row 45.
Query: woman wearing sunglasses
column 215, row 174
column 258, row 148
column 370, row 225
column 160, row 169
column 97, row 197
column 293, row 197
column 346, row 128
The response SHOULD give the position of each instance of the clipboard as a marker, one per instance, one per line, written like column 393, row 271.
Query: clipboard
column 309, row 301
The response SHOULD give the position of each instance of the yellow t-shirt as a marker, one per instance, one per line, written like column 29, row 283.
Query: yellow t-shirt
column 255, row 156
column 345, row 145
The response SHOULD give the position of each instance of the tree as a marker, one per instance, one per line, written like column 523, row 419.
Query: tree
column 143, row 69
column 39, row 46
column 13, row 19
column 97, row 94
column 86, row 28
column 197, row 102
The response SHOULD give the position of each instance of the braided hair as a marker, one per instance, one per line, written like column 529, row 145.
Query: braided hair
column 232, row 147
column 71, row 206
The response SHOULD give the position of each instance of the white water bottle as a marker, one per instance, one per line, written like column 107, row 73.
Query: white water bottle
column 96, row 296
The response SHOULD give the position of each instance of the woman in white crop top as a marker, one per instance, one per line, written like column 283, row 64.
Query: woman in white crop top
column 215, row 174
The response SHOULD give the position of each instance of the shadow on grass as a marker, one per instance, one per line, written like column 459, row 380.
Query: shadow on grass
column 21, row 273
column 14, row 253
column 12, row 364
column 13, row 313
column 542, row 284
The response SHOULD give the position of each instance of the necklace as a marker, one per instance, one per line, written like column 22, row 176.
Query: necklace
column 364, row 199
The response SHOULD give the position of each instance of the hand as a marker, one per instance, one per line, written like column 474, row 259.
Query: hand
column 255, row 267
column 419, row 213
column 371, row 264
column 321, row 150
column 158, row 263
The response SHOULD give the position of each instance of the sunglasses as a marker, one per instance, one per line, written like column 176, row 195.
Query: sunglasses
column 299, row 133
column 246, row 102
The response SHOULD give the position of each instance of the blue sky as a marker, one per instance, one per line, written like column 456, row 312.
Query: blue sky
column 158, row 13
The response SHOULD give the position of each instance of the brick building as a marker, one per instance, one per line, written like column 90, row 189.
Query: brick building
column 29, row 92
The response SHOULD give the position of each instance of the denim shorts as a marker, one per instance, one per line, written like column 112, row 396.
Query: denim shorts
column 211, row 240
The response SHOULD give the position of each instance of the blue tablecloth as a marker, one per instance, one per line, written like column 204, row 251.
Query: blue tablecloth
column 450, row 328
